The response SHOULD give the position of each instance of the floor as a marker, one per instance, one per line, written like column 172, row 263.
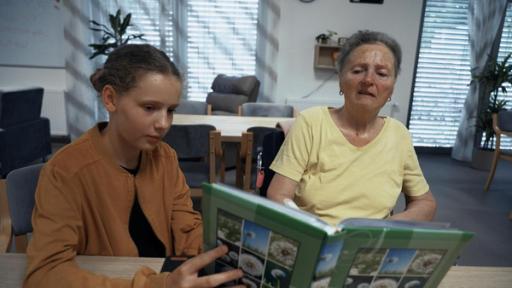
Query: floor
column 462, row 202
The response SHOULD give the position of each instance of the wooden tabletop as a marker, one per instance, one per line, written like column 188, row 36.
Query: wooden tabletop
column 230, row 127
column 125, row 267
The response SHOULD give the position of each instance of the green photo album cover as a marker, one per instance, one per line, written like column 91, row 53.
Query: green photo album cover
column 278, row 246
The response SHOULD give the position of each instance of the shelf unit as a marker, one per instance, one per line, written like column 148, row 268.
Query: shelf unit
column 325, row 56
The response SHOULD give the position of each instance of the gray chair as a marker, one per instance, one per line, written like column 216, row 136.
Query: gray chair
column 193, row 108
column 198, row 147
column 502, row 125
column 267, row 110
column 24, row 134
column 21, row 186
column 229, row 92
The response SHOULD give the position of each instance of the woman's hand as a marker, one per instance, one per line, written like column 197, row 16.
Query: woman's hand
column 186, row 274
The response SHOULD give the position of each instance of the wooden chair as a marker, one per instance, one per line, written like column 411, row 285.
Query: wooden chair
column 5, row 219
column 243, row 168
column 251, row 146
column 502, row 125
column 197, row 160
column 20, row 189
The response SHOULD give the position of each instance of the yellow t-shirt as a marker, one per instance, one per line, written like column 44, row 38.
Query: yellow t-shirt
column 338, row 180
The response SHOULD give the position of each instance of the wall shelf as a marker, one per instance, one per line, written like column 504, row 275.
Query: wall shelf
column 325, row 55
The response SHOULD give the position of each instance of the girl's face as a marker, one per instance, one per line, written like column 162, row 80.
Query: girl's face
column 142, row 116
column 368, row 78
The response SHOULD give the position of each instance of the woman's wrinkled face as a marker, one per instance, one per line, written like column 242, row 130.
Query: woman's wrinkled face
column 144, row 114
column 368, row 77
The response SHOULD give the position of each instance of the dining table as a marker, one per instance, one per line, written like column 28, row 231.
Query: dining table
column 230, row 127
column 13, row 265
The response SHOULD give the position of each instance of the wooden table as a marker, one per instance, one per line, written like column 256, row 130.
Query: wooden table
column 12, row 269
column 230, row 127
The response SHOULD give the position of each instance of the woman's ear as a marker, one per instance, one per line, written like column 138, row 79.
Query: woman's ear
column 109, row 98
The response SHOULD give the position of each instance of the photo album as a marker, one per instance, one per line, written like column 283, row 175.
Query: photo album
column 279, row 246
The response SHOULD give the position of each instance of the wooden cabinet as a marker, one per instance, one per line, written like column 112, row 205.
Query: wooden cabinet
column 325, row 56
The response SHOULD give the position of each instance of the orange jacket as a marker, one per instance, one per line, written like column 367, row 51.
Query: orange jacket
column 83, row 204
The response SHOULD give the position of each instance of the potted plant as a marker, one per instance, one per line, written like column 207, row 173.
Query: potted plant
column 324, row 38
column 113, row 36
column 494, row 78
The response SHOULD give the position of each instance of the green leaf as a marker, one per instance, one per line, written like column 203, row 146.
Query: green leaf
column 113, row 36
column 126, row 23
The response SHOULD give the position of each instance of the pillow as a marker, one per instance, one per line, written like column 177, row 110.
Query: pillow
column 226, row 102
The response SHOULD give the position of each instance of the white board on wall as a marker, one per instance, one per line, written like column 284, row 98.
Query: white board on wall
column 31, row 33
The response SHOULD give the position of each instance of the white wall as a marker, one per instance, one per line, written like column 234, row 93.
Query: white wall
column 54, row 83
column 301, row 22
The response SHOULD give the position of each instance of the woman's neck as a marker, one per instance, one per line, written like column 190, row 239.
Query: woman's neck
column 123, row 154
column 359, row 122
column 358, row 128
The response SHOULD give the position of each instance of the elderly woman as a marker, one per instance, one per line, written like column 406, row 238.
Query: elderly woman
column 349, row 162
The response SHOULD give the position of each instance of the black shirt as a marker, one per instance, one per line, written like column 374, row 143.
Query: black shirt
column 141, row 232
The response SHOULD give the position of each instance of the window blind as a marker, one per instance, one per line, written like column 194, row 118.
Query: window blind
column 504, row 50
column 221, row 38
column 153, row 18
column 442, row 75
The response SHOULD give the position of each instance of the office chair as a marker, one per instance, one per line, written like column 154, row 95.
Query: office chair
column 266, row 110
column 21, row 187
column 24, row 134
column 198, row 147
column 194, row 108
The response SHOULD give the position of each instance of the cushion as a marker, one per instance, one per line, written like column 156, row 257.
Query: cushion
column 226, row 102
column 233, row 84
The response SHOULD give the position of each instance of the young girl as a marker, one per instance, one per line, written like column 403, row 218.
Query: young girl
column 118, row 190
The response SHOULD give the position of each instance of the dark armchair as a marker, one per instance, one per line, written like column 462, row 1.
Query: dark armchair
column 229, row 92
column 24, row 134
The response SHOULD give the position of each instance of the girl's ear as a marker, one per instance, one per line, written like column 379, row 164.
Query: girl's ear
column 109, row 98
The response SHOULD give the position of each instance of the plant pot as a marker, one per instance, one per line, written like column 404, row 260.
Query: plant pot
column 482, row 159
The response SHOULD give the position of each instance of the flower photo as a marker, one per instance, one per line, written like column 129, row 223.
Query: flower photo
column 249, row 282
column 413, row 282
column 229, row 227
column 328, row 259
column 367, row 261
column 397, row 261
column 220, row 267
column 282, row 250
column 322, row 283
column 385, row 283
column 255, row 237
column 230, row 258
column 251, row 264
column 425, row 262
column 358, row 282
column 277, row 275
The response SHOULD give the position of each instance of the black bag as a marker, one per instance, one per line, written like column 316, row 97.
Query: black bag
column 271, row 144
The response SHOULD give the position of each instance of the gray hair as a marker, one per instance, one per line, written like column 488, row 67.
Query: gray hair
column 369, row 37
